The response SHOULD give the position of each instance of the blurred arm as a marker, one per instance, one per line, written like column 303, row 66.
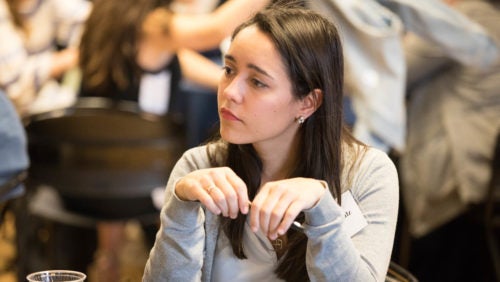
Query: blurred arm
column 423, row 59
column 200, row 32
column 199, row 69
column 461, row 38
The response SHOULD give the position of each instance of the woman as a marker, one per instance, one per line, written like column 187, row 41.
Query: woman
column 283, row 155
column 31, row 32
column 119, row 62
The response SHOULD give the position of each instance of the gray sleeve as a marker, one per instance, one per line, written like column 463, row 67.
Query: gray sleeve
column 461, row 38
column 423, row 60
column 332, row 255
column 177, row 254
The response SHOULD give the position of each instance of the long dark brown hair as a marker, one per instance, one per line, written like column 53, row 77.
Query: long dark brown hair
column 108, row 46
column 311, row 49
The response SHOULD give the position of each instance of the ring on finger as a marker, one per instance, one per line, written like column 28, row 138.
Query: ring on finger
column 210, row 188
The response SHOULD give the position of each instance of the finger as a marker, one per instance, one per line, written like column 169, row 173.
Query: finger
column 271, row 213
column 277, row 215
column 209, row 188
column 267, row 211
column 291, row 213
column 255, row 209
column 221, row 178
column 229, row 195
column 207, row 200
column 241, row 190
column 219, row 198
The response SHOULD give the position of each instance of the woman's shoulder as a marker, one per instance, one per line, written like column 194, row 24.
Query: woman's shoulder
column 202, row 156
column 198, row 152
column 375, row 161
column 363, row 155
column 365, row 164
column 378, row 156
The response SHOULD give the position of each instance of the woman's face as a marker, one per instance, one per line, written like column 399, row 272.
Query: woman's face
column 255, row 94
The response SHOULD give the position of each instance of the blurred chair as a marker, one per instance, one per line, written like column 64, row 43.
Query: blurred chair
column 98, row 161
column 102, row 149
column 492, row 212
column 397, row 273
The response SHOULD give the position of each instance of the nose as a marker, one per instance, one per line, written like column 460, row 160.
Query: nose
column 232, row 89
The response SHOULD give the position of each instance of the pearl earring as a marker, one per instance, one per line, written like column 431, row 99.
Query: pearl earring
column 301, row 120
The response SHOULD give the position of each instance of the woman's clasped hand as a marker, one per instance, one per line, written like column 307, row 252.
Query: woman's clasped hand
column 274, row 208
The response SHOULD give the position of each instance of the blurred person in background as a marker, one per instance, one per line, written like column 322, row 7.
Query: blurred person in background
column 39, row 41
column 13, row 152
column 453, row 121
column 117, row 61
column 373, row 32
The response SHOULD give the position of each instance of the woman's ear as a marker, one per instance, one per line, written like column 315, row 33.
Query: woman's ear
column 311, row 102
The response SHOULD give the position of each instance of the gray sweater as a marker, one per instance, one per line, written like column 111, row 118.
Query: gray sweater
column 185, row 244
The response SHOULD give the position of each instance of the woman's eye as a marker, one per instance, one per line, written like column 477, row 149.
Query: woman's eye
column 258, row 83
column 227, row 70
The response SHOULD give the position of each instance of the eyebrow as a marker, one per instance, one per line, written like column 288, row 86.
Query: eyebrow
column 251, row 66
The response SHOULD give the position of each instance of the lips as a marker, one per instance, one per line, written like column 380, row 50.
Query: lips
column 228, row 115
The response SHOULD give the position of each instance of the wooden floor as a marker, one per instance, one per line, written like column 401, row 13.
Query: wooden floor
column 133, row 255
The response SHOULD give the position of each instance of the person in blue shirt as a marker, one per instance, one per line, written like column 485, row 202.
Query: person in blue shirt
column 13, row 152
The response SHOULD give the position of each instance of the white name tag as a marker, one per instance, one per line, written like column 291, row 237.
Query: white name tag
column 354, row 219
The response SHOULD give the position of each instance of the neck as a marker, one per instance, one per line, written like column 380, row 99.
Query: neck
column 278, row 161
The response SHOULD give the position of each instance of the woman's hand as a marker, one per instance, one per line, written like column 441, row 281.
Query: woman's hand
column 156, row 27
column 150, row 56
column 219, row 189
column 154, row 48
column 278, row 203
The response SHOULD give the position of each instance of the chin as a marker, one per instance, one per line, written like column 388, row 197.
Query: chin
column 234, row 137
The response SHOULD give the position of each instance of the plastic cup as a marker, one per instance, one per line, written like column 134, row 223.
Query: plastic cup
column 56, row 276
